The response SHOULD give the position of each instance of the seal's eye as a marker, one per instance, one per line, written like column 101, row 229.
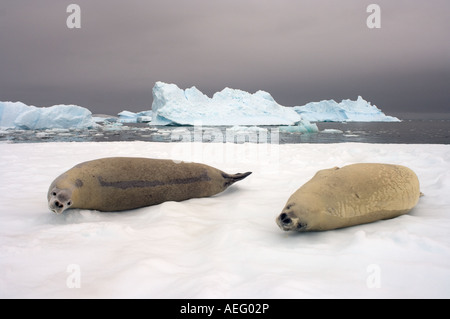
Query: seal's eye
column 69, row 203
column 54, row 193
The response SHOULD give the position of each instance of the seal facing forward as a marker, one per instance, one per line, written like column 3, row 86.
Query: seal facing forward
column 351, row 195
column 122, row 183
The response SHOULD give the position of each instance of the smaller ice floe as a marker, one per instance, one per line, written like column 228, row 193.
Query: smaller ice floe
column 131, row 117
column 303, row 127
column 58, row 130
column 66, row 134
column 104, row 118
column 332, row 131
column 114, row 127
column 351, row 134
column 246, row 129
column 45, row 134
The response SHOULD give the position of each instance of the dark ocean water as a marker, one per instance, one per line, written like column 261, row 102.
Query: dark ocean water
column 405, row 132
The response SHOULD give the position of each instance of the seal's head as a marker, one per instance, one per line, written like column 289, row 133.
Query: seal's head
column 297, row 217
column 288, row 220
column 59, row 199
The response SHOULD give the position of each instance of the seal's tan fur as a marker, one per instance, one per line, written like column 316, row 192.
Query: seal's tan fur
column 121, row 183
column 351, row 195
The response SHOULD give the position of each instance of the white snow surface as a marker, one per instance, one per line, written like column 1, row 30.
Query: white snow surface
column 224, row 246
column 345, row 111
column 27, row 117
column 172, row 105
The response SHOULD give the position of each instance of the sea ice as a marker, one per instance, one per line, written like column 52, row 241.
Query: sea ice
column 225, row 246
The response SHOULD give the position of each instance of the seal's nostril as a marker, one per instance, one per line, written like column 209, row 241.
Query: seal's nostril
column 59, row 204
column 285, row 219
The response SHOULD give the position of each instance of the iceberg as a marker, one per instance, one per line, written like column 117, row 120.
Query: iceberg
column 174, row 106
column 131, row 117
column 9, row 111
column 345, row 111
column 26, row 117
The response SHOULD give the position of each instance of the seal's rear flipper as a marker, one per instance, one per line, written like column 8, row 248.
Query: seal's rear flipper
column 230, row 179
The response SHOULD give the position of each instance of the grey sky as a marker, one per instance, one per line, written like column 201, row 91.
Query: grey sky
column 299, row 51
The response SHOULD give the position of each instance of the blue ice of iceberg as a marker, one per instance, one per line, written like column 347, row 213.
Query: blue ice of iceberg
column 9, row 111
column 172, row 105
column 345, row 111
column 21, row 116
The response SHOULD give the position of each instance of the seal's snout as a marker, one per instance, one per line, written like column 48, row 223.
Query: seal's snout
column 288, row 221
column 285, row 220
column 56, row 206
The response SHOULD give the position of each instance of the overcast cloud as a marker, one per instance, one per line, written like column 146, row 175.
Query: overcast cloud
column 299, row 51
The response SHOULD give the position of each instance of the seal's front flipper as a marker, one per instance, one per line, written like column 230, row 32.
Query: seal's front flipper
column 230, row 179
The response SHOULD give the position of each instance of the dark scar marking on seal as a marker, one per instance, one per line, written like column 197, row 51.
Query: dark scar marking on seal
column 78, row 183
column 141, row 184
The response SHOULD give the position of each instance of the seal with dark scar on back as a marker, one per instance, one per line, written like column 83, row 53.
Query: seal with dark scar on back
column 123, row 183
